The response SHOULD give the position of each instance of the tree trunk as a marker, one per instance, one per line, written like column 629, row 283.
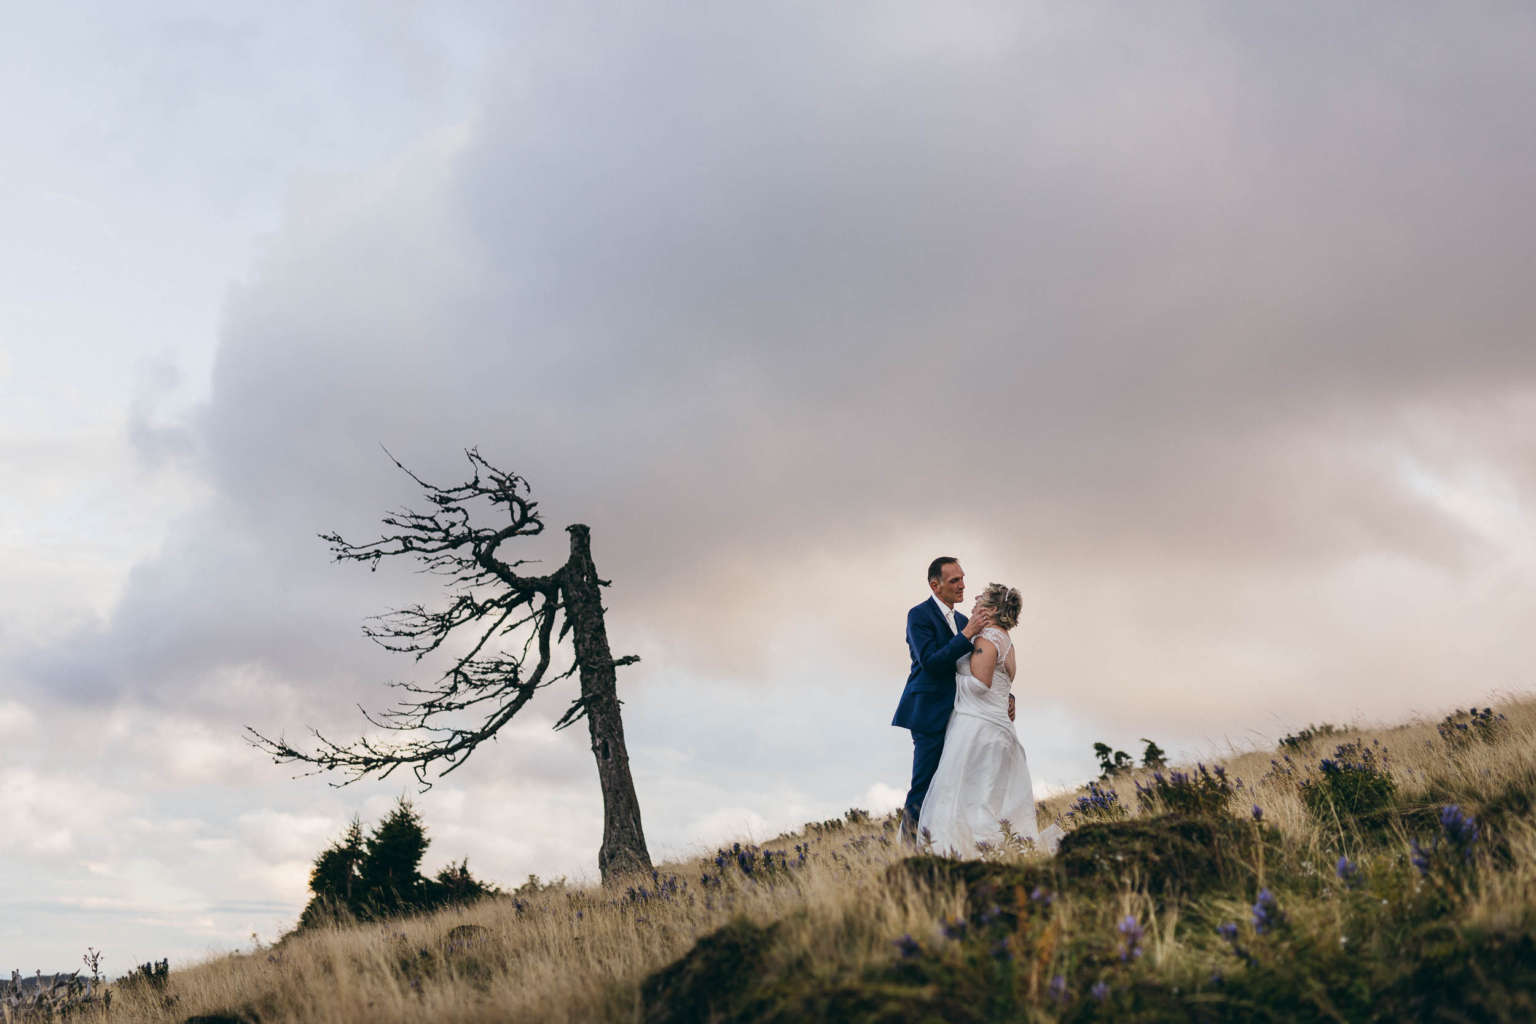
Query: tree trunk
column 623, row 848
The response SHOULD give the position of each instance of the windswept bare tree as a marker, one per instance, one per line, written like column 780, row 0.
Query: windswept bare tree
column 501, row 623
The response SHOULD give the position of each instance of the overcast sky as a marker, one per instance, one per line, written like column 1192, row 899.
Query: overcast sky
column 1207, row 326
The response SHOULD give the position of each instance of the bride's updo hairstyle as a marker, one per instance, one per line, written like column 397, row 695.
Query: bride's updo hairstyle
column 1005, row 603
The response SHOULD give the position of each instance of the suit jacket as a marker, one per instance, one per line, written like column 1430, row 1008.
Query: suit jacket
column 929, row 695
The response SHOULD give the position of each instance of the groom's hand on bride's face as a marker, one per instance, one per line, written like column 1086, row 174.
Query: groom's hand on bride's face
column 977, row 623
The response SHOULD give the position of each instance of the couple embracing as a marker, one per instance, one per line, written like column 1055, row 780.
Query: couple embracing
column 969, row 772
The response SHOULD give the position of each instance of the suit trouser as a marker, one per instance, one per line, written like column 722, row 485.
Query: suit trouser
column 926, row 750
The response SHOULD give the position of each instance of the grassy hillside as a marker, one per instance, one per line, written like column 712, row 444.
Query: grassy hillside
column 1385, row 875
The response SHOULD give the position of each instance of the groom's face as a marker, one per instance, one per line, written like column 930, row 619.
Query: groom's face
column 951, row 586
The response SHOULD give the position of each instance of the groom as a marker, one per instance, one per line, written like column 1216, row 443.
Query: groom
column 938, row 636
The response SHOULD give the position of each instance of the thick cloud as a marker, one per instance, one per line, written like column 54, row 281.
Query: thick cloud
column 1134, row 298
column 1207, row 327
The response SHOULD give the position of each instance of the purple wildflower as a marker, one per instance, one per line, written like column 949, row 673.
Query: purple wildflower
column 1131, row 934
column 1266, row 913
column 1460, row 827
column 1421, row 857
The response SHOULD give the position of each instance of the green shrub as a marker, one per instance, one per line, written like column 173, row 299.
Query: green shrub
column 1112, row 762
column 1298, row 741
column 1200, row 792
column 1354, row 784
column 379, row 876
column 1461, row 729
column 151, row 975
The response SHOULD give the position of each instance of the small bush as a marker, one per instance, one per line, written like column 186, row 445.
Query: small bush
column 378, row 876
column 1200, row 792
column 52, row 997
column 1153, row 756
column 1112, row 762
column 1100, row 804
column 1008, row 845
column 1355, row 783
column 1297, row 742
column 1463, row 728
column 151, row 975
column 533, row 886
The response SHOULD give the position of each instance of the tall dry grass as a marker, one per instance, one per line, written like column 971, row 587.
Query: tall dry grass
column 582, row 954
column 563, row 954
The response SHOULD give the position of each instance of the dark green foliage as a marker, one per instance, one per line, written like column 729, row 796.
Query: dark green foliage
column 151, row 975
column 1154, row 756
column 853, row 816
column 1354, row 785
column 378, row 876
column 1200, row 792
column 336, row 870
column 390, row 868
column 455, row 885
column 1297, row 742
column 1463, row 728
column 534, row 886
column 1112, row 762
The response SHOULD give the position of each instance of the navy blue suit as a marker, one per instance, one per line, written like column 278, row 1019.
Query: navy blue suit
column 929, row 695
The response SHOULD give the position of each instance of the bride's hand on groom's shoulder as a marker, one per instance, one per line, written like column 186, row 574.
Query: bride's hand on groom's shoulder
column 977, row 623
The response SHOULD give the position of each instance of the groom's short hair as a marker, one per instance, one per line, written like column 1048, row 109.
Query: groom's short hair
column 936, row 567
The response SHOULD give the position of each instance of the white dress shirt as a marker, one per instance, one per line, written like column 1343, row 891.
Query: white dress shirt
column 948, row 613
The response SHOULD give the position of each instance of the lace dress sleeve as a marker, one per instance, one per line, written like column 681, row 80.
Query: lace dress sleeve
column 999, row 640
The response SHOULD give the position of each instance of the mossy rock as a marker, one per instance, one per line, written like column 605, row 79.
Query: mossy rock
column 245, row 1016
column 468, row 953
column 465, row 935
column 1166, row 854
column 1169, row 854
column 712, row 980
column 875, row 1000
column 986, row 883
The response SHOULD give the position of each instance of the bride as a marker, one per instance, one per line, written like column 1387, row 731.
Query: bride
column 983, row 775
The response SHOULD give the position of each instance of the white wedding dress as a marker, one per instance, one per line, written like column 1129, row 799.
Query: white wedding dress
column 983, row 775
